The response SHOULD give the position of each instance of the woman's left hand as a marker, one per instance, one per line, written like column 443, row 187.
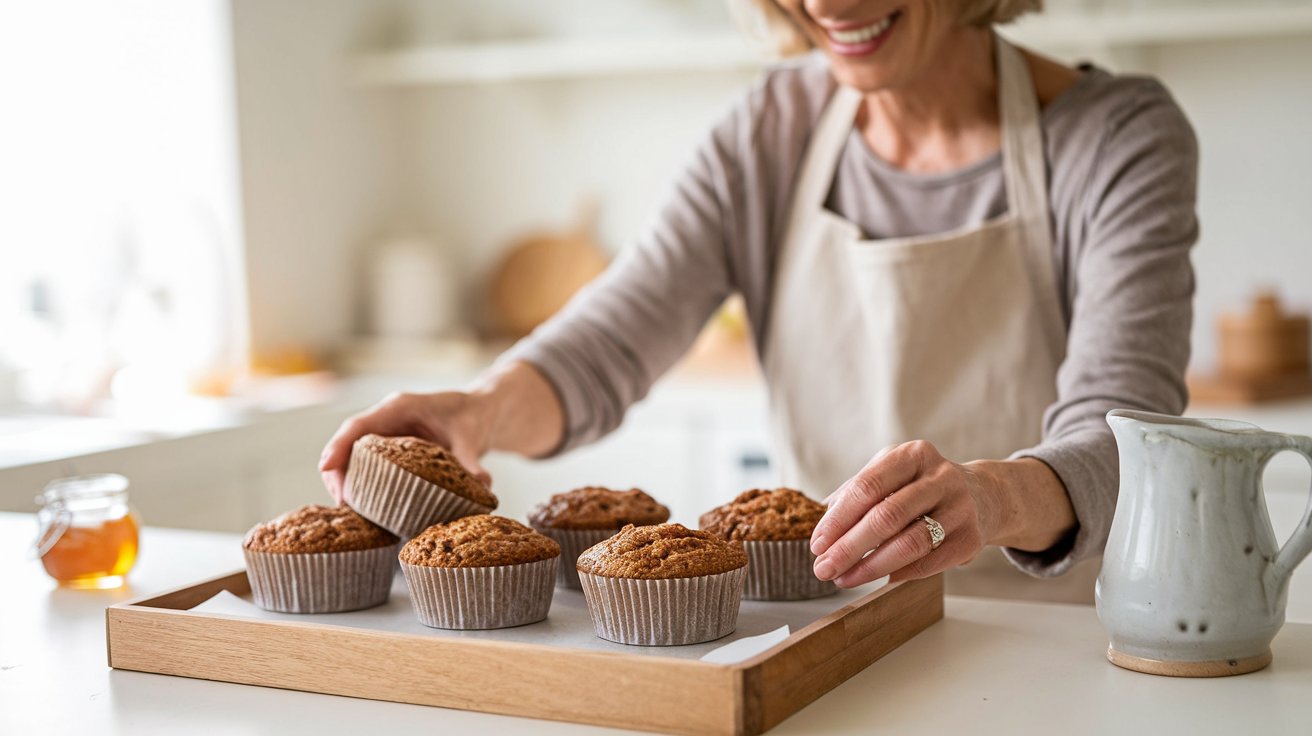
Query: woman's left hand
column 878, row 511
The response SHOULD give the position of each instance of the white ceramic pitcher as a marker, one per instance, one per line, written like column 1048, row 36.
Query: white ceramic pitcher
column 1193, row 582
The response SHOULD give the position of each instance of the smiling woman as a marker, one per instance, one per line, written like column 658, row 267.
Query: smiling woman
column 956, row 256
column 777, row 19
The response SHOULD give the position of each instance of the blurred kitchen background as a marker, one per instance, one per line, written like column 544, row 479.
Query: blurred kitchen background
column 229, row 224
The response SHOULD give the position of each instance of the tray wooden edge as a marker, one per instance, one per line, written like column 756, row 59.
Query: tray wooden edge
column 785, row 679
column 157, row 634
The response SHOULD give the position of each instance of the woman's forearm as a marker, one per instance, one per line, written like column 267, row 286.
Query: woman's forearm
column 523, row 413
column 1027, row 503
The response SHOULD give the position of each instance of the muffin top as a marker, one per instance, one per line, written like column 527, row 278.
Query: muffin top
column 661, row 551
column 429, row 461
column 598, row 508
column 764, row 516
column 317, row 529
column 478, row 541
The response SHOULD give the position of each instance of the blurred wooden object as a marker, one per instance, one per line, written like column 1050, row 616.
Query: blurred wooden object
column 724, row 347
column 542, row 271
column 1263, row 356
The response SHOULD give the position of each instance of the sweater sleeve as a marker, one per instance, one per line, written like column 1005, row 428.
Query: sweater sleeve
column 1130, row 313
column 610, row 343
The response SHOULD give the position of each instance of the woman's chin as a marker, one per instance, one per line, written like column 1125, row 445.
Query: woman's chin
column 863, row 78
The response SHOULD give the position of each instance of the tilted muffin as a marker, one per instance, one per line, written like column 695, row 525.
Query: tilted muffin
column 582, row 517
column 319, row 559
column 406, row 484
column 480, row 572
column 774, row 528
column 663, row 585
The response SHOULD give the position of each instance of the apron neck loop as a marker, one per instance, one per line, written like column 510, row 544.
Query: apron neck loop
column 1022, row 135
column 1022, row 138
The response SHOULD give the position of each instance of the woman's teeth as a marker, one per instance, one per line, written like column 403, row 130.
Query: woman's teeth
column 861, row 35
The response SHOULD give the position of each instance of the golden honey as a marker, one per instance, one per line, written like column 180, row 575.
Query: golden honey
column 89, row 533
column 94, row 557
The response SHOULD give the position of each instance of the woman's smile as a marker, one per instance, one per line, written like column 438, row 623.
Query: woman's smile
column 859, row 38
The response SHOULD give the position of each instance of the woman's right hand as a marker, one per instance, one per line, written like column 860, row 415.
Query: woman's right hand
column 512, row 407
column 461, row 422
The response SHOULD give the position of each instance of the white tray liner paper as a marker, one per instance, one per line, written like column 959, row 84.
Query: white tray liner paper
column 761, row 624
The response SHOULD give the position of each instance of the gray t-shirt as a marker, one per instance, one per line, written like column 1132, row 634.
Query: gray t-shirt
column 1122, row 178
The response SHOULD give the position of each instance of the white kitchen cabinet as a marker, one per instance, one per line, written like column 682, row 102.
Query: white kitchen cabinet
column 694, row 443
column 1083, row 26
column 684, row 445
column 222, row 480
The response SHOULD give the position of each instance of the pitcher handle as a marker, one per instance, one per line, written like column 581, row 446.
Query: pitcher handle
column 1299, row 544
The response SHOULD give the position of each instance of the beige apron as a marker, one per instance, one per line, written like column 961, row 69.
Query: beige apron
column 954, row 338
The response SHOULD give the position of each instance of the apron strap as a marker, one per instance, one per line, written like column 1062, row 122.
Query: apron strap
column 1022, row 136
column 1023, row 165
column 1026, row 173
column 1024, row 168
column 826, row 146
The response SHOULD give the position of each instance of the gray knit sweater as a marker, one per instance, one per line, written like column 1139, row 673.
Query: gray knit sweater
column 1122, row 169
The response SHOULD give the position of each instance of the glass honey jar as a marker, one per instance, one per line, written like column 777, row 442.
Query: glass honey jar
column 88, row 536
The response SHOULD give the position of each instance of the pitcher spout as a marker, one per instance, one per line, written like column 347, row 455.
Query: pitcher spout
column 1180, row 426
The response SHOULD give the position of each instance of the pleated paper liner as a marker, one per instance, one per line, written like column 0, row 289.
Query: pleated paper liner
column 398, row 500
column 667, row 612
column 573, row 542
column 783, row 571
column 321, row 582
column 481, row 597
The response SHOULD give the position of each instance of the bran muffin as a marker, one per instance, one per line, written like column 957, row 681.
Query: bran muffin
column 319, row 559
column 583, row 517
column 774, row 528
column 406, row 484
column 663, row 585
column 480, row 572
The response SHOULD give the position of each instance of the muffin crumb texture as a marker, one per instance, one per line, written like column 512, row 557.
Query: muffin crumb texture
column 661, row 551
column 478, row 541
column 429, row 461
column 764, row 516
column 315, row 528
column 598, row 508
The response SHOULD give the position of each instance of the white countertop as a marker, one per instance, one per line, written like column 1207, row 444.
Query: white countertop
column 988, row 667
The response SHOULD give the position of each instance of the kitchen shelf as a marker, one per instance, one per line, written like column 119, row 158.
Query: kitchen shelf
column 1163, row 25
column 592, row 57
column 554, row 58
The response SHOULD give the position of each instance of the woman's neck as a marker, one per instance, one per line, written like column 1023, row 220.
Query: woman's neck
column 944, row 119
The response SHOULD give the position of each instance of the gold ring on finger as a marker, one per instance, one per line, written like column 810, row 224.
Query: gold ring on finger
column 936, row 533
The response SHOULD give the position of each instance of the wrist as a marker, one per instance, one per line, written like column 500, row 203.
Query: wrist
column 486, row 404
column 994, row 508
column 1023, row 503
column 518, row 409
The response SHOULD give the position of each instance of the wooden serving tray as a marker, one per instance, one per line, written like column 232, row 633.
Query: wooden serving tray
column 641, row 687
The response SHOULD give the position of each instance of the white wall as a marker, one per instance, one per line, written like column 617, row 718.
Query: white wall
column 321, row 163
column 328, row 168
column 118, row 177
column 495, row 163
column 1251, row 103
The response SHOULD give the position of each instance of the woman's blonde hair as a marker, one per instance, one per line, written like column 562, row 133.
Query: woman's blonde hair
column 767, row 22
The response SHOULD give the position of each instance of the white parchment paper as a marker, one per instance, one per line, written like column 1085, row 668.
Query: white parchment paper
column 761, row 624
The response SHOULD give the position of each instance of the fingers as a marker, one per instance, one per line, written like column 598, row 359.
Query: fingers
column 393, row 415
column 878, row 527
column 438, row 418
column 833, row 495
column 334, row 480
column 886, row 472
column 469, row 456
column 337, row 454
column 910, row 553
